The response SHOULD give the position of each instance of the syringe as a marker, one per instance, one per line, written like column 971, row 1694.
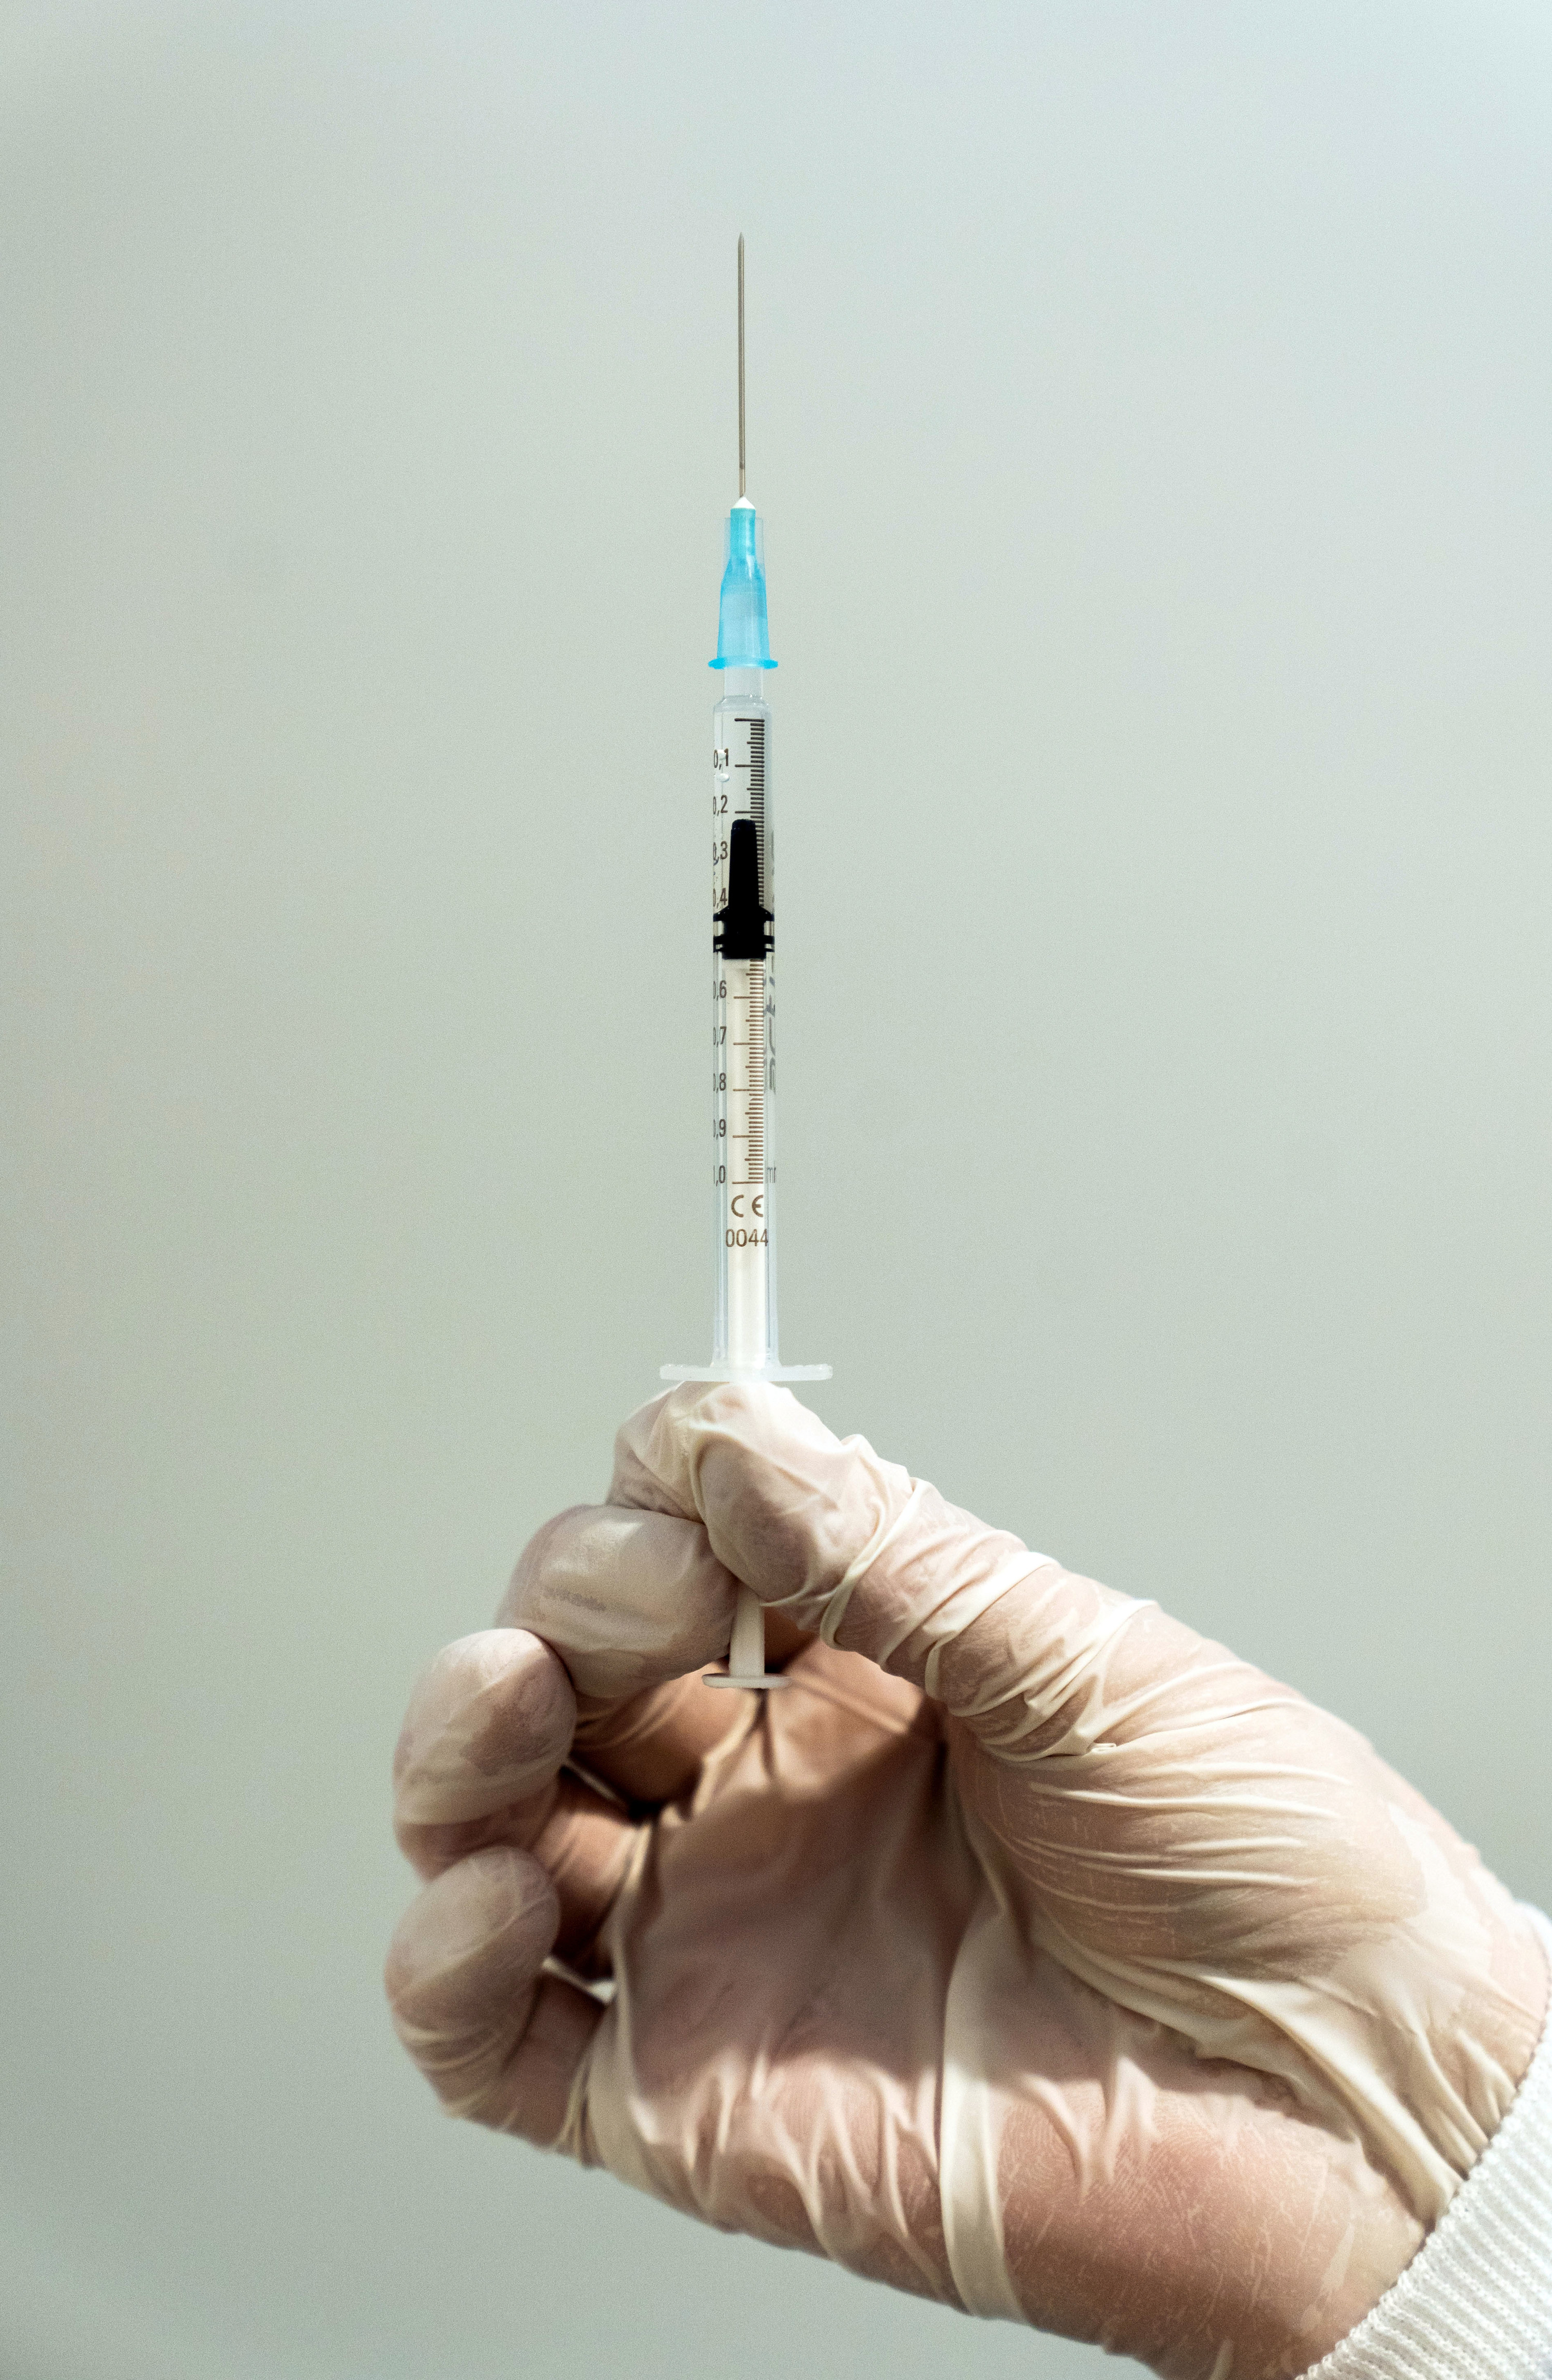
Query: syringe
column 743, row 1340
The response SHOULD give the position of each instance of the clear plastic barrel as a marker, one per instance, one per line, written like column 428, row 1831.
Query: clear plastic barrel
column 744, row 1338
column 743, row 1029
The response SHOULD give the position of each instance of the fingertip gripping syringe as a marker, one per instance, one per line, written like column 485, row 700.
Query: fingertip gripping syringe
column 743, row 1334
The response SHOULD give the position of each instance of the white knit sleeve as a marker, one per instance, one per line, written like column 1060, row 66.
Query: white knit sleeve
column 1476, row 2302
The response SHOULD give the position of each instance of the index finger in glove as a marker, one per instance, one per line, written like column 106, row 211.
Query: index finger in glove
column 635, row 1605
column 630, row 1599
column 638, row 1606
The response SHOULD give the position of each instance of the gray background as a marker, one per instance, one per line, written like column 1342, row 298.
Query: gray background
column 1151, row 406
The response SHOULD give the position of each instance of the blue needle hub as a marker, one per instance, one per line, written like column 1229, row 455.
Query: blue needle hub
column 742, row 635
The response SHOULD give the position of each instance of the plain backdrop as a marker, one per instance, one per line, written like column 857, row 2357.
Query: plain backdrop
column 1150, row 406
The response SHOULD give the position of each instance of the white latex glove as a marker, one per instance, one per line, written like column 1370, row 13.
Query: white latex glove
column 1026, row 1952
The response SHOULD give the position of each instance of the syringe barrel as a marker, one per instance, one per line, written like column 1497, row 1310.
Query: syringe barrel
column 743, row 1026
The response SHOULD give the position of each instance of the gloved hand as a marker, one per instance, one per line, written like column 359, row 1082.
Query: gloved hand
column 1026, row 1952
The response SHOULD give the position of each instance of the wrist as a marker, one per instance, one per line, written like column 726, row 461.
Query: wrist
column 1197, row 2209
